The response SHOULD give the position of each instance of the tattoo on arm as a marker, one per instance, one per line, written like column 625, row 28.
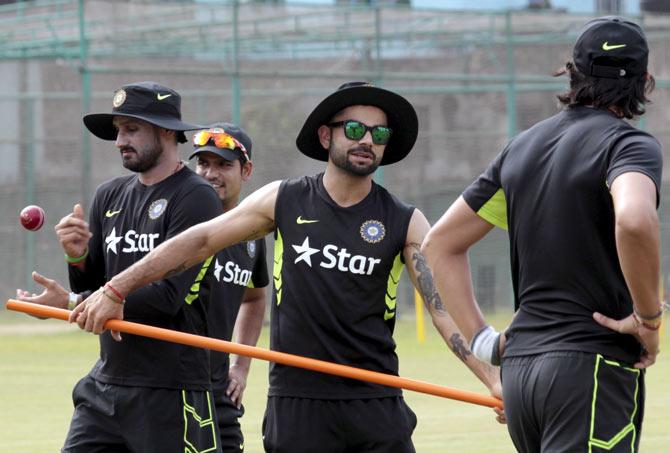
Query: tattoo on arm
column 177, row 270
column 458, row 346
column 425, row 281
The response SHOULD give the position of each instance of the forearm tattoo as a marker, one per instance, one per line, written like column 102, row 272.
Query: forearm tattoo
column 424, row 279
column 177, row 270
column 457, row 345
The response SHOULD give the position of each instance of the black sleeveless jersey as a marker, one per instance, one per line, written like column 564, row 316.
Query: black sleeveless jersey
column 231, row 272
column 336, row 272
column 128, row 220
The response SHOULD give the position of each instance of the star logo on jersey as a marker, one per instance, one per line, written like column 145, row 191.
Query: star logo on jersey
column 111, row 240
column 217, row 270
column 305, row 252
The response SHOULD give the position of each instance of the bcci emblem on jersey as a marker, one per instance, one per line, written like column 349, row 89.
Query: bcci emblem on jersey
column 157, row 208
column 251, row 249
column 373, row 231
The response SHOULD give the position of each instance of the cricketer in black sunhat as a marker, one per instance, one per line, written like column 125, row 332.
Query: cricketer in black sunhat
column 611, row 47
column 401, row 117
column 148, row 101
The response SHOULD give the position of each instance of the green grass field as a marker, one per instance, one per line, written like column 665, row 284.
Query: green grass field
column 39, row 369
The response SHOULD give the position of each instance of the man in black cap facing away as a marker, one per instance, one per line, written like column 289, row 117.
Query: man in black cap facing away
column 578, row 193
column 142, row 395
column 341, row 242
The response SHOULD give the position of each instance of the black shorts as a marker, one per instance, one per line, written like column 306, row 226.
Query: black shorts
column 303, row 425
column 228, row 415
column 113, row 418
column 573, row 402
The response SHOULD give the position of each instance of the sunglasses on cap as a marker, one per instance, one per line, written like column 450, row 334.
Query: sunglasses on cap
column 219, row 138
column 355, row 130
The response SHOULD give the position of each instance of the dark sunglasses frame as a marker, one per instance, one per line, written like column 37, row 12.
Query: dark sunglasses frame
column 372, row 130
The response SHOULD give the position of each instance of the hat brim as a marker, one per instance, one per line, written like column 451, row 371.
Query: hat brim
column 401, row 116
column 101, row 124
column 227, row 154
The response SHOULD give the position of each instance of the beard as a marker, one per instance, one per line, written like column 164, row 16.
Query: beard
column 143, row 160
column 341, row 160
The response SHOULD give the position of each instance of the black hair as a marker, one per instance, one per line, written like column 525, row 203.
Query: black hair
column 625, row 96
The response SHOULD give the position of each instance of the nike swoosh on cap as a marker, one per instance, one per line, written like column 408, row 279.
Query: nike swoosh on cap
column 111, row 213
column 300, row 220
column 160, row 97
column 606, row 46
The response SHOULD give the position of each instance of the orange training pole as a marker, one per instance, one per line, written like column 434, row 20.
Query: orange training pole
column 265, row 354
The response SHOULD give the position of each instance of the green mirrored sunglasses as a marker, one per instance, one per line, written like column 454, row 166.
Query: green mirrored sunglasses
column 355, row 130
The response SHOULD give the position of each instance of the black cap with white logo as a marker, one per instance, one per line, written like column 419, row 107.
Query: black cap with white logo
column 611, row 47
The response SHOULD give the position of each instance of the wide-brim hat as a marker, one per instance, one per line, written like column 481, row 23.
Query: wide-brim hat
column 148, row 101
column 229, row 154
column 400, row 115
column 611, row 47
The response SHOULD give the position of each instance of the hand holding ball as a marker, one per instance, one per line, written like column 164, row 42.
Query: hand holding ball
column 32, row 217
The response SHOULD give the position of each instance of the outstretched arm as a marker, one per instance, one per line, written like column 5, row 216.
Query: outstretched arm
column 252, row 219
column 420, row 274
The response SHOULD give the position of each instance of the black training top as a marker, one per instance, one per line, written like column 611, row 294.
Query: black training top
column 335, row 276
column 233, row 270
column 550, row 185
column 127, row 220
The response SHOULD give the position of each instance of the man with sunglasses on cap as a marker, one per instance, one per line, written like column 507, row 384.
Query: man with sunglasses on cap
column 142, row 395
column 341, row 242
column 236, row 281
column 578, row 193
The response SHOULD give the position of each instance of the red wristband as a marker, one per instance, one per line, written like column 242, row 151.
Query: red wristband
column 115, row 291
column 644, row 324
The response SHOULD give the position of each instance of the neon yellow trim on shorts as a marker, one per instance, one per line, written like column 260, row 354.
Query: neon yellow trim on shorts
column 494, row 211
column 611, row 443
column 205, row 422
column 278, row 263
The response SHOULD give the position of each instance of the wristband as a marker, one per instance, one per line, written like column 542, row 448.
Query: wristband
column 112, row 297
column 113, row 290
column 78, row 260
column 658, row 314
column 485, row 345
column 73, row 300
column 643, row 323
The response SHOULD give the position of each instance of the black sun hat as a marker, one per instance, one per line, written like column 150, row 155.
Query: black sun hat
column 148, row 101
column 611, row 47
column 401, row 117
column 229, row 154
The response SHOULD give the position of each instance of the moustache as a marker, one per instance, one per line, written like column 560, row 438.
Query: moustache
column 127, row 148
column 362, row 149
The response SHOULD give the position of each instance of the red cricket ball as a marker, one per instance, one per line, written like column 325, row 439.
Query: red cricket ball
column 32, row 217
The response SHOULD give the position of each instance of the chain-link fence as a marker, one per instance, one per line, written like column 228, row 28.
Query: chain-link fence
column 475, row 78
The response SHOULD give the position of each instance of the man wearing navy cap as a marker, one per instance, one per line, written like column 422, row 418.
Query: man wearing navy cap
column 236, row 282
column 142, row 395
column 341, row 242
column 578, row 193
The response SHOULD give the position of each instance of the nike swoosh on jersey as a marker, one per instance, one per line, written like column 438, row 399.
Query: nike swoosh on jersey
column 301, row 221
column 160, row 97
column 606, row 46
column 111, row 213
